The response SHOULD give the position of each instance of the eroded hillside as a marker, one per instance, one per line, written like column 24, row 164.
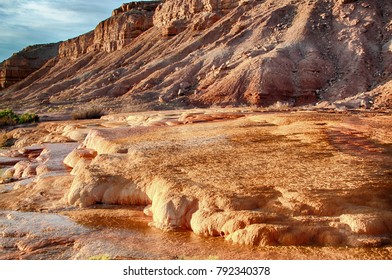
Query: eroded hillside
column 194, row 52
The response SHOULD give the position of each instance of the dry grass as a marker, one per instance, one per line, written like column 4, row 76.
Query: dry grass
column 92, row 112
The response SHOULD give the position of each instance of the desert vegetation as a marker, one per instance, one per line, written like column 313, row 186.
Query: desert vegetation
column 91, row 112
column 9, row 117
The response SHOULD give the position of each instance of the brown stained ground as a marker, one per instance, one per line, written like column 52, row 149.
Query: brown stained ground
column 301, row 168
column 263, row 159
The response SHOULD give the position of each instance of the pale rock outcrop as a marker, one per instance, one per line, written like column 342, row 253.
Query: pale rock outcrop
column 75, row 132
column 253, row 178
column 210, row 169
column 170, row 209
column 259, row 235
column 101, row 140
column 103, row 181
column 372, row 224
column 20, row 169
column 210, row 223
column 52, row 157
column 40, row 160
column 73, row 158
column 89, row 189
column 92, row 185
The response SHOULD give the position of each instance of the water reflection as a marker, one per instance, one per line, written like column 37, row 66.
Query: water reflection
column 52, row 236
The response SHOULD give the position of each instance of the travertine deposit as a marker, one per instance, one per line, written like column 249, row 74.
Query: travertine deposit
column 193, row 53
column 300, row 178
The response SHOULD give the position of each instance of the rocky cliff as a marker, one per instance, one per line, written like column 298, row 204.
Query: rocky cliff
column 175, row 16
column 126, row 23
column 25, row 62
column 77, row 46
column 204, row 52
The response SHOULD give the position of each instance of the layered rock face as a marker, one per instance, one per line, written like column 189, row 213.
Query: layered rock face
column 76, row 46
column 173, row 17
column 126, row 23
column 25, row 62
column 141, row 6
column 223, row 53
column 118, row 31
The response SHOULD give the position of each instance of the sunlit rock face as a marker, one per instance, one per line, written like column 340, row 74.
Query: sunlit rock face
column 201, row 53
column 114, row 33
column 22, row 64
column 173, row 17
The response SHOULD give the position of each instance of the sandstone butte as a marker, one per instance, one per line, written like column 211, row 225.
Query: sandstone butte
column 313, row 175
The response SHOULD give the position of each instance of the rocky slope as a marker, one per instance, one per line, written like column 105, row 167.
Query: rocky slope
column 198, row 52
column 25, row 62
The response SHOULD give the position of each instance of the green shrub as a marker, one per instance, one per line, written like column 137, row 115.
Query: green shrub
column 28, row 118
column 93, row 112
column 8, row 113
column 8, row 117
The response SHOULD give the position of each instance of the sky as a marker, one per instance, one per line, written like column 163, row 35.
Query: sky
column 30, row 22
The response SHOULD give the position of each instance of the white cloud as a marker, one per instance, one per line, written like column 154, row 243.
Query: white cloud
column 41, row 13
column 49, row 14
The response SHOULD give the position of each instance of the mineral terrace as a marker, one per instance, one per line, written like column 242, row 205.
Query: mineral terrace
column 252, row 129
column 253, row 178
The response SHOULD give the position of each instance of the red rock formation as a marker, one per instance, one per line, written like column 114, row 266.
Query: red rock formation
column 204, row 52
column 172, row 17
column 141, row 6
column 126, row 23
column 25, row 62
column 76, row 46
column 119, row 30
